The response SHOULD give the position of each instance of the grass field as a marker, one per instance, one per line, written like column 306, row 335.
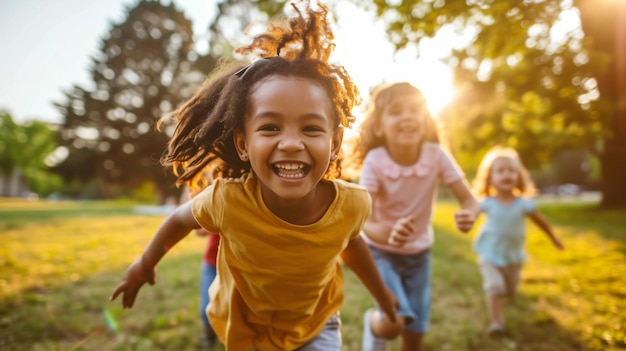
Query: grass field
column 60, row 261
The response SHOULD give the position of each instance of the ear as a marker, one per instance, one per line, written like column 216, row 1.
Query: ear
column 336, row 147
column 240, row 144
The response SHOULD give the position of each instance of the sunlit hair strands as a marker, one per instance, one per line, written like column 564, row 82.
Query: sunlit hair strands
column 482, row 185
column 299, row 47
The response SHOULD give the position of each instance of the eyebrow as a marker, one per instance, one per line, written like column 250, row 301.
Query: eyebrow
column 306, row 116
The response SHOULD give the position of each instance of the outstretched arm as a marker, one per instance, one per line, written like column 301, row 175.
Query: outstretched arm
column 470, row 209
column 358, row 258
column 175, row 227
column 542, row 223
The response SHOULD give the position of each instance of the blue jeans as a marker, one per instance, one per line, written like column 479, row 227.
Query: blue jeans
column 207, row 275
column 409, row 278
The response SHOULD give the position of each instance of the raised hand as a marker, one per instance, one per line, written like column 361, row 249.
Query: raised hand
column 401, row 231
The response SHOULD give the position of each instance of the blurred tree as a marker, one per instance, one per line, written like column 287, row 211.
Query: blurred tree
column 146, row 67
column 235, row 17
column 522, row 80
column 604, row 22
column 23, row 151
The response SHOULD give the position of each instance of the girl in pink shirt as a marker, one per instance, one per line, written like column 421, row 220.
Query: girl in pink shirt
column 401, row 164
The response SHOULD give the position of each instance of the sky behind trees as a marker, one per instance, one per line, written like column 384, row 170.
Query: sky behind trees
column 46, row 48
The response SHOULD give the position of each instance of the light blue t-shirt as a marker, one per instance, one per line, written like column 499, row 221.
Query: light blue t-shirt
column 502, row 236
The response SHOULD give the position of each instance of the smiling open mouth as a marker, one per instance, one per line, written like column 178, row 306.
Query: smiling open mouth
column 290, row 170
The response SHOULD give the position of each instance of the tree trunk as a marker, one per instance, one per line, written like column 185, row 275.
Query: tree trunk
column 604, row 22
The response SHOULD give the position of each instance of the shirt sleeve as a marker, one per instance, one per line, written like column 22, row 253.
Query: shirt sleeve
column 364, row 205
column 206, row 210
column 450, row 171
column 484, row 205
column 530, row 205
column 368, row 178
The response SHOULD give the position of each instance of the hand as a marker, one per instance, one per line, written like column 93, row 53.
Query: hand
column 401, row 231
column 136, row 276
column 464, row 220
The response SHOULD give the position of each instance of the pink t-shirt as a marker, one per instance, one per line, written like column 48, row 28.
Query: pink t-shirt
column 399, row 191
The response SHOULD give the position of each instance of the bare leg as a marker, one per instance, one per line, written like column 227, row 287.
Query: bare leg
column 494, row 305
column 411, row 341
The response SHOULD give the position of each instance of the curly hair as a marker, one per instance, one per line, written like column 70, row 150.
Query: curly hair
column 300, row 47
column 482, row 185
column 366, row 139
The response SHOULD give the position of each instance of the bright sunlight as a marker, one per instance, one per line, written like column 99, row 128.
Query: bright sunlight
column 369, row 58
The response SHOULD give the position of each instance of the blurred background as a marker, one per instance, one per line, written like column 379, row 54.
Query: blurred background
column 84, row 85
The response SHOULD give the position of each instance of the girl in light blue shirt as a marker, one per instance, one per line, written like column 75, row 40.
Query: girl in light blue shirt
column 502, row 182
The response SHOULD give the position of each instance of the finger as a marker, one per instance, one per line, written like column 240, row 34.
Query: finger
column 463, row 217
column 400, row 235
column 117, row 291
column 392, row 241
column 129, row 298
column 408, row 226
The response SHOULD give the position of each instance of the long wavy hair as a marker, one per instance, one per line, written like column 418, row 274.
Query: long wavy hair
column 205, row 124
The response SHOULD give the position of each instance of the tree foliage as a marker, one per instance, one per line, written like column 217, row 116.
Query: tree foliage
column 520, row 82
column 236, row 17
column 146, row 66
column 23, row 149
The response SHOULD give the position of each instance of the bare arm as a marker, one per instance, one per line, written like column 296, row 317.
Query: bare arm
column 175, row 227
column 377, row 232
column 542, row 223
column 470, row 209
column 359, row 259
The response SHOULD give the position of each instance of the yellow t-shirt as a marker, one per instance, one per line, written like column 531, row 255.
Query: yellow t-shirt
column 277, row 283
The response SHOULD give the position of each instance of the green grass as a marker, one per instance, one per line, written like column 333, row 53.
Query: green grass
column 59, row 262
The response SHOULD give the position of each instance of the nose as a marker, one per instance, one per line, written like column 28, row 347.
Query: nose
column 414, row 115
column 291, row 141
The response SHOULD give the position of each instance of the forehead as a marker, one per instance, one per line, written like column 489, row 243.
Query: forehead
column 504, row 161
column 290, row 95
column 405, row 98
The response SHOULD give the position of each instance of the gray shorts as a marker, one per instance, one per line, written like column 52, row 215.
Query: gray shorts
column 500, row 280
column 329, row 339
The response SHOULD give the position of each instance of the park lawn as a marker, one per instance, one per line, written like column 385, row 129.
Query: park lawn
column 59, row 262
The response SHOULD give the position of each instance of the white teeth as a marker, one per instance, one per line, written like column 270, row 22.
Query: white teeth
column 290, row 175
column 289, row 166
column 290, row 170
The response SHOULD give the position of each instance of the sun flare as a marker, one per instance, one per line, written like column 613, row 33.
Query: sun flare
column 362, row 47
